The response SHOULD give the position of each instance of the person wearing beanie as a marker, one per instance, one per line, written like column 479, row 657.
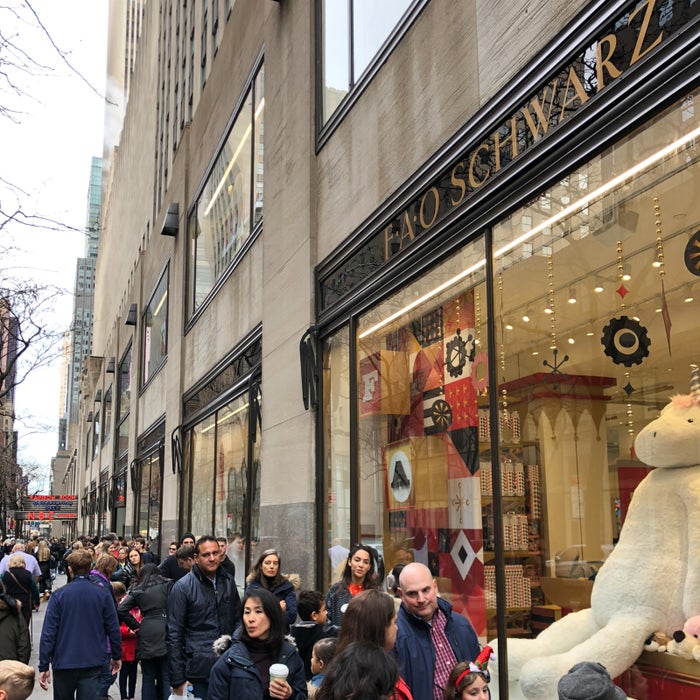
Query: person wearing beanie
column 588, row 681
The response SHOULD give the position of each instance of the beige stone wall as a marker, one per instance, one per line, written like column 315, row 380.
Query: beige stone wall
column 456, row 56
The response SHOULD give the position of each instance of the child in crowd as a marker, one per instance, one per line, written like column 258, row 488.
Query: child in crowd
column 469, row 680
column 129, row 669
column 323, row 651
column 314, row 626
column 16, row 680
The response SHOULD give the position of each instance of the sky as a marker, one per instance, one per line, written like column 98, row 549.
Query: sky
column 46, row 150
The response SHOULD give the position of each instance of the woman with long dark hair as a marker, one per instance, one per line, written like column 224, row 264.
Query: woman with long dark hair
column 132, row 566
column 371, row 618
column 359, row 671
column 267, row 574
column 243, row 670
column 358, row 575
column 149, row 593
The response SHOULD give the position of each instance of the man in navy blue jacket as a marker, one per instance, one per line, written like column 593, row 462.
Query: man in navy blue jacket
column 78, row 619
column 431, row 638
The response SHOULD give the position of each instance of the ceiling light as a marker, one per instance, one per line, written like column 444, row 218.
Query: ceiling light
column 688, row 294
column 527, row 315
column 571, row 341
column 626, row 272
column 572, row 294
column 509, row 326
column 598, row 285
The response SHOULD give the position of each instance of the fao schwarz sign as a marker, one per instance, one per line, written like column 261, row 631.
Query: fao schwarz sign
column 629, row 39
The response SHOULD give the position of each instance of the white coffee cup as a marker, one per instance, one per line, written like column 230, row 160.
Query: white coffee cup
column 278, row 672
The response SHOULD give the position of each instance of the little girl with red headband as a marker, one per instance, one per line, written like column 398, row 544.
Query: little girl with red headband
column 469, row 679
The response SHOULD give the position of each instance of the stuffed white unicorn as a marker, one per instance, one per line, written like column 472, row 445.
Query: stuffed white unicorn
column 650, row 581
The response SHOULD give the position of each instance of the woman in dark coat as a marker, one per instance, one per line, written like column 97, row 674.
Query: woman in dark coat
column 267, row 574
column 149, row 593
column 14, row 634
column 20, row 584
column 243, row 670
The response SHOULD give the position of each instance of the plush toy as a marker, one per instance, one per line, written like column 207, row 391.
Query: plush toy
column 657, row 642
column 660, row 540
column 686, row 642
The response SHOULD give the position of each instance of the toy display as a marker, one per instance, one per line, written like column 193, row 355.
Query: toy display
column 660, row 540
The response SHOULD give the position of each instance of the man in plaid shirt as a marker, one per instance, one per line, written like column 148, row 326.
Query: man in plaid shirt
column 431, row 639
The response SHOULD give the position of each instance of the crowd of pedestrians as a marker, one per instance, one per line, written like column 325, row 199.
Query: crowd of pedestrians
column 196, row 628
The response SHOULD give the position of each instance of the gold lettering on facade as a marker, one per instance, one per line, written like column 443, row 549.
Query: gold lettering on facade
column 605, row 63
column 574, row 82
column 458, row 182
column 542, row 119
column 511, row 138
column 472, row 180
column 407, row 230
column 638, row 53
column 436, row 207
column 389, row 238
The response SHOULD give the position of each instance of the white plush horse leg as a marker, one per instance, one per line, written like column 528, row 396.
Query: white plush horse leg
column 616, row 646
column 557, row 638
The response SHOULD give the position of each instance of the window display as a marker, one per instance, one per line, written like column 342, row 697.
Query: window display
column 593, row 291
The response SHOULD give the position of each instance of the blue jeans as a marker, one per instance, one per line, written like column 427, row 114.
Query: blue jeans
column 77, row 683
column 155, row 683
column 106, row 677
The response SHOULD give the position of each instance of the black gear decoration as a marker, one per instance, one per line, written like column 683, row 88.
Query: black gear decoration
column 457, row 352
column 692, row 254
column 441, row 415
column 626, row 341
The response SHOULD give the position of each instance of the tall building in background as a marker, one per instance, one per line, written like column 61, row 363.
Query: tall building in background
column 83, row 300
column 9, row 471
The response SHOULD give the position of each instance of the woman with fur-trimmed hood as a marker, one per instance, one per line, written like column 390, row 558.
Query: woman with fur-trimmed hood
column 243, row 669
column 267, row 575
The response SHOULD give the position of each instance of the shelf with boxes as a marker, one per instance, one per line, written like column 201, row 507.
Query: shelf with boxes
column 521, row 500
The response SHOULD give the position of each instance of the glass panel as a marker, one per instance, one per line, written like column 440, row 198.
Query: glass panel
column 95, row 435
column 373, row 22
column 336, row 54
column 154, row 504
column 258, row 149
column 155, row 329
column 108, row 415
column 221, row 222
column 232, row 478
column 336, row 447
column 203, row 445
column 254, row 477
column 584, row 334
column 421, row 380
column 124, row 385
column 143, row 499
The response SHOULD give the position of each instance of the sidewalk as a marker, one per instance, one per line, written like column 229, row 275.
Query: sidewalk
column 37, row 624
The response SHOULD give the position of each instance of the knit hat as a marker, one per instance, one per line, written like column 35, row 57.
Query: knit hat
column 190, row 535
column 589, row 681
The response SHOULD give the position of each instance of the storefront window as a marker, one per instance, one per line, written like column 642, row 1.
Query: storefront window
column 422, row 368
column 203, row 443
column 595, row 331
column 231, row 202
column 155, row 330
column 108, row 415
column 123, row 408
column 149, row 499
column 336, row 402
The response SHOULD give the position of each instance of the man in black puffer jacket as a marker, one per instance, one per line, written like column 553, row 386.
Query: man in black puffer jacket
column 202, row 606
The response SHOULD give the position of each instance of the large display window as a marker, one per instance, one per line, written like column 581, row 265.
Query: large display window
column 593, row 289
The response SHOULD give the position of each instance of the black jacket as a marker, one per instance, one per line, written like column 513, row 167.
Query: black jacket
column 306, row 634
column 234, row 676
column 171, row 569
column 153, row 603
column 14, row 633
column 198, row 614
